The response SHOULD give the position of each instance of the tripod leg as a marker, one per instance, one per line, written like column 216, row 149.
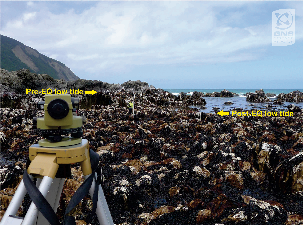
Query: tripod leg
column 53, row 198
column 32, row 212
column 15, row 202
column 102, row 210
column 38, row 182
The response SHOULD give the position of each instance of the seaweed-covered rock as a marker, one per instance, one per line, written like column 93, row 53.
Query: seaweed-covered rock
column 294, row 108
column 294, row 96
column 223, row 93
column 166, row 166
column 19, row 81
column 258, row 96
column 135, row 85
column 262, row 212
column 226, row 93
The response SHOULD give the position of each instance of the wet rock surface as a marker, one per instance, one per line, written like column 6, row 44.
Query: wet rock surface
column 165, row 165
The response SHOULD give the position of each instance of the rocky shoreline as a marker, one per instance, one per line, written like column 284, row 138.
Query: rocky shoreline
column 16, row 82
column 167, row 164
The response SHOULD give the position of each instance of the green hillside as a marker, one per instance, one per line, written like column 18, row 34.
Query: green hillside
column 8, row 59
column 42, row 63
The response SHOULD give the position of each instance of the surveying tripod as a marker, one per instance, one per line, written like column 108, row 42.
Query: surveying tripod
column 49, row 160
column 45, row 162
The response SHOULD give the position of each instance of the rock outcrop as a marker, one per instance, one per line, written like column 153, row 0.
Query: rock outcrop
column 294, row 96
column 258, row 97
column 224, row 93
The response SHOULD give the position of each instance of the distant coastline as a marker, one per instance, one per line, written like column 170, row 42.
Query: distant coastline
column 240, row 92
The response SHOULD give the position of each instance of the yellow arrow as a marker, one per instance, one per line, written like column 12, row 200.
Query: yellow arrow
column 221, row 113
column 90, row 92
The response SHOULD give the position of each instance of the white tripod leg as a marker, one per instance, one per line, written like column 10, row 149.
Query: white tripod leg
column 32, row 212
column 102, row 210
column 15, row 203
column 53, row 198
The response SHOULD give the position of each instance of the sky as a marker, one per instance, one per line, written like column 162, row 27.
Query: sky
column 169, row 44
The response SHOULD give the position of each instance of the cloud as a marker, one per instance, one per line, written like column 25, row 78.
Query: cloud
column 29, row 16
column 112, row 36
column 30, row 4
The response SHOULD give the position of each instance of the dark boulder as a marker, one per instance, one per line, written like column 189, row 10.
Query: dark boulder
column 264, row 212
column 226, row 93
column 259, row 96
column 293, row 108
column 228, row 103
column 17, row 119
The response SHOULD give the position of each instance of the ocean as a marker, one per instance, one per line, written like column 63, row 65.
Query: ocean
column 239, row 101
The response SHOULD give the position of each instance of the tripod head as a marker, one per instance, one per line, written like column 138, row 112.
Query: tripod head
column 57, row 147
column 59, row 121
